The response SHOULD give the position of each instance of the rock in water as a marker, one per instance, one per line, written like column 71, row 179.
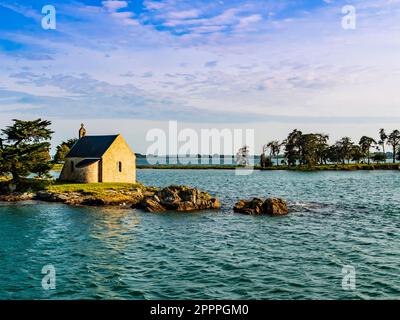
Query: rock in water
column 256, row 206
column 178, row 198
column 169, row 198
column 275, row 207
column 151, row 205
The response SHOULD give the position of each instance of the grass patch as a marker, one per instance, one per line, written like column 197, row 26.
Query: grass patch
column 104, row 193
column 92, row 188
column 107, row 193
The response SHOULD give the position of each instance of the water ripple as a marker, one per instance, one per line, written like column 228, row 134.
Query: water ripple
column 337, row 219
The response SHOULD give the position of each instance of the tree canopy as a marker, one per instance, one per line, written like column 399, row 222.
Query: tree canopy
column 63, row 149
column 394, row 141
column 24, row 148
column 312, row 149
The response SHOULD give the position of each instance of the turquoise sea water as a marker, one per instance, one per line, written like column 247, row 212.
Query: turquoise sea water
column 337, row 219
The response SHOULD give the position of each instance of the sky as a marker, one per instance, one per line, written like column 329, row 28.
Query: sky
column 272, row 66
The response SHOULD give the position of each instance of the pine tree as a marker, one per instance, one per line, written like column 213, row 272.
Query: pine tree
column 24, row 148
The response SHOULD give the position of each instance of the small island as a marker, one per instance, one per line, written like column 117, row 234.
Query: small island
column 101, row 170
column 123, row 195
column 97, row 171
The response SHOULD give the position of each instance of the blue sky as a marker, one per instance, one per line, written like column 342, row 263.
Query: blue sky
column 269, row 65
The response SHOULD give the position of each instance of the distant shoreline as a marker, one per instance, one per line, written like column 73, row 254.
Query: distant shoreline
column 328, row 167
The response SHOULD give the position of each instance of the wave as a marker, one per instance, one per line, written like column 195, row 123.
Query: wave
column 299, row 206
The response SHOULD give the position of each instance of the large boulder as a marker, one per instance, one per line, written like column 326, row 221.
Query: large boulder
column 275, row 207
column 257, row 206
column 151, row 205
column 178, row 198
column 254, row 206
column 169, row 198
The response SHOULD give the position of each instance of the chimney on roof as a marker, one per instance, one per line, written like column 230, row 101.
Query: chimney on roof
column 82, row 131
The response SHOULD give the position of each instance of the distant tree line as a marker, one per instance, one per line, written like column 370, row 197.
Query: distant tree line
column 313, row 149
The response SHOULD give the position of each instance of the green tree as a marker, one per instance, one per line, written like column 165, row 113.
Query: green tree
column 383, row 138
column 264, row 160
column 344, row 147
column 357, row 154
column 63, row 149
column 275, row 149
column 313, row 148
column 332, row 154
column 24, row 148
column 379, row 157
column 394, row 141
column 292, row 147
column 322, row 147
column 308, row 144
column 42, row 167
column 278, row 146
column 366, row 144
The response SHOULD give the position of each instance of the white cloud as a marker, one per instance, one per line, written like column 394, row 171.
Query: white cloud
column 153, row 5
column 207, row 29
column 123, row 17
column 229, row 16
column 186, row 14
column 246, row 21
column 114, row 5
column 306, row 70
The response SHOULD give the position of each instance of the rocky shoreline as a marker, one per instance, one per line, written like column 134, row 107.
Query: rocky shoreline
column 148, row 199
column 257, row 206
column 178, row 198
column 17, row 196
